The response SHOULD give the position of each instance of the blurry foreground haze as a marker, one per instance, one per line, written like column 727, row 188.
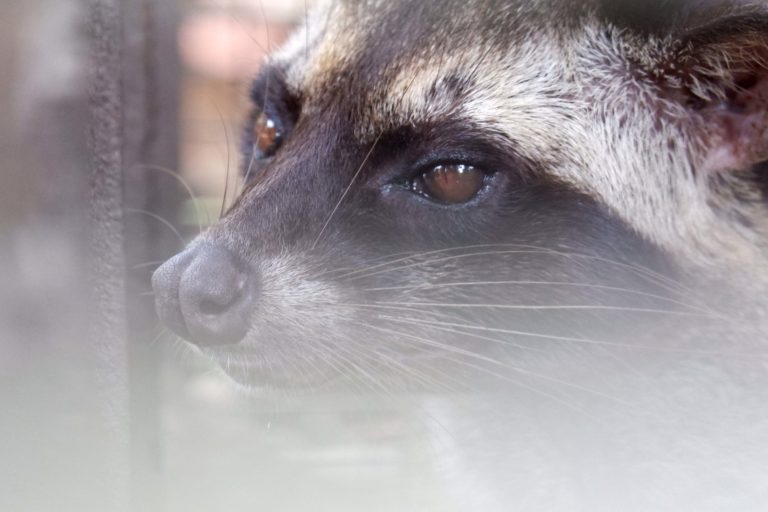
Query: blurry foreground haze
column 87, row 426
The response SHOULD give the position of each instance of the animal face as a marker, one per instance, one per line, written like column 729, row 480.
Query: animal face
column 434, row 189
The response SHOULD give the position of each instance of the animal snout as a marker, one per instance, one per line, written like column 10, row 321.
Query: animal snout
column 206, row 294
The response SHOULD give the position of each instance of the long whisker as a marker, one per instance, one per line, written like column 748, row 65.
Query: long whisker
column 266, row 26
column 366, row 273
column 531, row 307
column 229, row 159
column 470, row 284
column 249, row 170
column 359, row 369
column 648, row 274
column 407, row 306
column 413, row 372
column 478, row 357
column 148, row 264
column 572, row 339
column 349, row 187
column 332, row 363
column 428, row 381
column 245, row 29
column 342, row 371
column 391, row 363
column 159, row 219
column 373, row 261
column 268, row 70
column 505, row 343
column 177, row 176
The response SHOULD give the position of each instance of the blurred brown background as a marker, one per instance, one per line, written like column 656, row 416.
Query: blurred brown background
column 222, row 45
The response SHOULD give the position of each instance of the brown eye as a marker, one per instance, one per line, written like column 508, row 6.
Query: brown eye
column 266, row 136
column 453, row 184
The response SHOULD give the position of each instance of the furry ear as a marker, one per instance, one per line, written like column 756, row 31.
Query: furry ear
column 720, row 71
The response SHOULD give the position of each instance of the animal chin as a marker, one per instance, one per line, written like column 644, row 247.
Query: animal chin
column 253, row 373
column 271, row 363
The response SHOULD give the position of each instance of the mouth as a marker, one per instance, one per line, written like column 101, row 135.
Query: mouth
column 339, row 359
column 250, row 369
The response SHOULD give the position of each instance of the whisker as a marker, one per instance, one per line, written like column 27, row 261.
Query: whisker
column 372, row 261
column 158, row 218
column 385, row 308
column 428, row 381
column 304, row 357
column 349, row 187
column 340, row 371
column 148, row 264
column 242, row 26
column 355, row 355
column 266, row 26
column 250, row 168
column 360, row 370
column 158, row 337
column 506, row 343
column 536, row 335
column 531, row 307
column 472, row 355
column 470, row 284
column 368, row 371
column 229, row 158
column 407, row 255
column 457, row 332
column 410, row 371
column 585, row 341
column 267, row 80
column 358, row 275
column 658, row 279
column 177, row 176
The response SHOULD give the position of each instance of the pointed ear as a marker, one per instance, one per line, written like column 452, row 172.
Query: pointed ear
column 721, row 71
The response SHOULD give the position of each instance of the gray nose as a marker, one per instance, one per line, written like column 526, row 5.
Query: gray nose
column 205, row 294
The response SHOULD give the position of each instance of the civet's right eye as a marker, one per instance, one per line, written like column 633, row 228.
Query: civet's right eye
column 451, row 183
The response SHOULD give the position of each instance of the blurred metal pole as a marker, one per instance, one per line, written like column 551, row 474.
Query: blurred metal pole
column 106, row 258
column 134, row 114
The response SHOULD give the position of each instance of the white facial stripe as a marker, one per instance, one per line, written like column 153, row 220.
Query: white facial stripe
column 590, row 122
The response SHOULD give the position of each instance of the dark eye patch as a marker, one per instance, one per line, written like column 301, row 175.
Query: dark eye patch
column 270, row 91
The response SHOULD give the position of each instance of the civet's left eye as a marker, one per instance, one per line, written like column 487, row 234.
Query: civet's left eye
column 451, row 183
column 267, row 136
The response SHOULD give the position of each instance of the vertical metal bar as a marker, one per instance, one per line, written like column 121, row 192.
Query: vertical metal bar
column 107, row 334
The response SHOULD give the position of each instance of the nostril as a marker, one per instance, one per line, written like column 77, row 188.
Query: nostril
column 216, row 296
column 209, row 307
